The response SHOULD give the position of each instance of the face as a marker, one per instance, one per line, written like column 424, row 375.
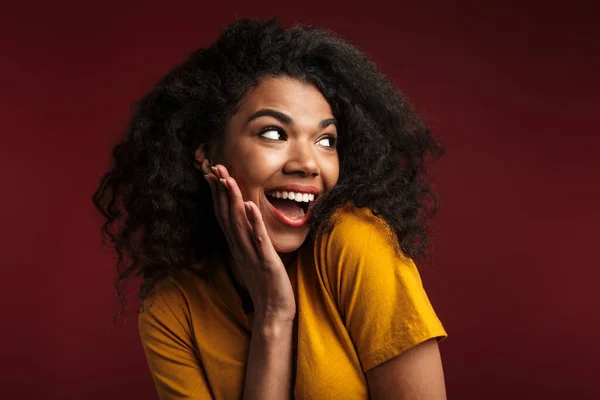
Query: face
column 282, row 143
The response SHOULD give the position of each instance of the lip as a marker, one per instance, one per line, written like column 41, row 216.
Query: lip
column 287, row 221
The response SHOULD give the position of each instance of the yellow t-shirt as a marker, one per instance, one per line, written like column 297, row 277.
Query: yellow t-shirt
column 359, row 303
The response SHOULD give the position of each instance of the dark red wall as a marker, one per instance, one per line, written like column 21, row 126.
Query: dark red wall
column 512, row 90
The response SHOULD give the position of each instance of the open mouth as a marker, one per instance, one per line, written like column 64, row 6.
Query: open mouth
column 292, row 204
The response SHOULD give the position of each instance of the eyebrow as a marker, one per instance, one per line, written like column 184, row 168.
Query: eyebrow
column 286, row 119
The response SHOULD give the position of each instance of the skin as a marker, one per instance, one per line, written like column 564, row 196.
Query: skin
column 259, row 161
column 283, row 133
column 416, row 374
column 259, row 158
column 269, row 366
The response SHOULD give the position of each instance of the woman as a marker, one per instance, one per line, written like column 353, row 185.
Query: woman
column 270, row 191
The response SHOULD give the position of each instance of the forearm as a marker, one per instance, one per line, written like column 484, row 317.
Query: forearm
column 269, row 367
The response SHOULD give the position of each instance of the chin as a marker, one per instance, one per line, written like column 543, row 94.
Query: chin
column 288, row 247
column 287, row 244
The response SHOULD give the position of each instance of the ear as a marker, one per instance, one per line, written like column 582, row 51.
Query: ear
column 201, row 160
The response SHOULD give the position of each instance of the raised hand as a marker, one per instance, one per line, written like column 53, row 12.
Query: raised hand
column 261, row 268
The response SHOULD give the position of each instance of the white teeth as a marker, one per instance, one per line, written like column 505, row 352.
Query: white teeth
column 299, row 197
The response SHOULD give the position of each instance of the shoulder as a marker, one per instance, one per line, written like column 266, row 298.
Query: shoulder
column 172, row 297
column 358, row 229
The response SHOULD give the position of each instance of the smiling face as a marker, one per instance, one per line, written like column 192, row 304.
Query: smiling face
column 281, row 141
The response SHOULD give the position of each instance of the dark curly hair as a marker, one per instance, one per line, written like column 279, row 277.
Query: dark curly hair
column 157, row 205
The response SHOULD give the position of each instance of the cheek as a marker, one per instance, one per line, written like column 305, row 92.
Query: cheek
column 331, row 172
column 251, row 170
column 260, row 164
column 245, row 181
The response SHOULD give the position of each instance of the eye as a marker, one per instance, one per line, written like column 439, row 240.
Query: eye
column 328, row 141
column 272, row 133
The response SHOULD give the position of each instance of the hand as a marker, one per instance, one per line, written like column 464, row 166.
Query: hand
column 252, row 252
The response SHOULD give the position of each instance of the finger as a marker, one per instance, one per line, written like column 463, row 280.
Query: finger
column 266, row 251
column 237, row 211
column 213, row 182
column 214, row 192
column 240, row 226
column 223, row 201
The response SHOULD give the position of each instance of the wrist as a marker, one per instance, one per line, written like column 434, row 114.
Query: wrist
column 272, row 328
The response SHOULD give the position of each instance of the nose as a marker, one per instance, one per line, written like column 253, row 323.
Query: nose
column 302, row 160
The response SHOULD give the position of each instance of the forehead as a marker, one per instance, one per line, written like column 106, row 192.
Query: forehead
column 289, row 95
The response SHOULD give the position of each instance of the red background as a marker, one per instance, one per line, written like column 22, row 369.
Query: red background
column 509, row 88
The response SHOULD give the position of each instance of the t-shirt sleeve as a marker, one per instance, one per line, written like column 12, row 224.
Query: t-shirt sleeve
column 176, row 370
column 378, row 291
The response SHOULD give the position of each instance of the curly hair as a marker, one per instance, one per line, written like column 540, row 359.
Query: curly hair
column 158, row 207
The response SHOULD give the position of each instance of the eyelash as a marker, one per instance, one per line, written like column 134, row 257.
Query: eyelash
column 332, row 138
column 272, row 128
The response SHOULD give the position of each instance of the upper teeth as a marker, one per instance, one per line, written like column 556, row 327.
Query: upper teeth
column 299, row 197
